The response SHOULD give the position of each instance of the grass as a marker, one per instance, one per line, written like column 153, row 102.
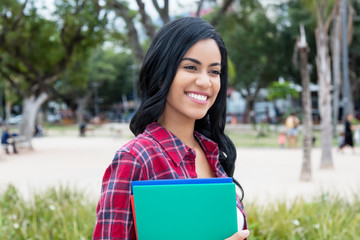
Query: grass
column 67, row 214
column 55, row 214
column 325, row 217
column 266, row 137
column 261, row 135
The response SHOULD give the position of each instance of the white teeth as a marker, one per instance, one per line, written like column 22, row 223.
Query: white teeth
column 197, row 96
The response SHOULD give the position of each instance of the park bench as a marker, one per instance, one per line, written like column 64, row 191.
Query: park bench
column 21, row 142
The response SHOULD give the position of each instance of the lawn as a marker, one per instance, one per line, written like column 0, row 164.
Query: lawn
column 265, row 135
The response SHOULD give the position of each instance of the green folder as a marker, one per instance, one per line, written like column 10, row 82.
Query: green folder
column 185, row 211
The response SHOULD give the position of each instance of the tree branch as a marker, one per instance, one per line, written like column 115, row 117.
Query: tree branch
column 146, row 21
column 350, row 24
column 331, row 16
column 223, row 9
column 163, row 12
column 122, row 10
column 13, row 84
column 199, row 8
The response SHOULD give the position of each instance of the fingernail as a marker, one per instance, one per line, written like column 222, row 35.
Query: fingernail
column 246, row 233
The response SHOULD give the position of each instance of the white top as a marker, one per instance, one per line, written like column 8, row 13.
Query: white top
column 240, row 219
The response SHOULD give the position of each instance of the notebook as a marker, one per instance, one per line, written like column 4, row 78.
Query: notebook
column 185, row 209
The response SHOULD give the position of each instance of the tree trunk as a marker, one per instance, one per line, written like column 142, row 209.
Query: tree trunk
column 336, row 69
column 348, row 106
column 81, row 105
column 8, row 105
column 305, row 174
column 324, row 82
column 31, row 106
column 249, row 106
column 250, row 97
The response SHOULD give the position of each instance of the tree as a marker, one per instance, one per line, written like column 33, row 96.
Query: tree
column 335, row 51
column 289, row 15
column 354, row 49
column 129, row 16
column 123, row 11
column 324, row 14
column 35, row 50
column 302, row 47
column 252, row 43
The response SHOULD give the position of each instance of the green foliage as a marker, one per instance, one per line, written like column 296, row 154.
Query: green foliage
column 110, row 69
column 34, row 49
column 252, row 43
column 281, row 90
column 115, row 70
column 60, row 213
column 66, row 214
column 325, row 217
column 231, row 72
column 289, row 17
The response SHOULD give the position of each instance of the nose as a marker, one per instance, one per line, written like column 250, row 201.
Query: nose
column 203, row 80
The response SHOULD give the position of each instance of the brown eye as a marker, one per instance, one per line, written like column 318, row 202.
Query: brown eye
column 215, row 72
column 190, row 67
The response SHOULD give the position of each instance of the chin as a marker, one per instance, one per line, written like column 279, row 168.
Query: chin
column 198, row 116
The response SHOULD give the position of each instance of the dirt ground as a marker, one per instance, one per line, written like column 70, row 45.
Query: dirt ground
column 265, row 174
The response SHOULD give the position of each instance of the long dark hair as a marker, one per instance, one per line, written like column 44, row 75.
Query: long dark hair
column 169, row 46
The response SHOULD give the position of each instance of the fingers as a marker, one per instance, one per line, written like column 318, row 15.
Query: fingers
column 239, row 235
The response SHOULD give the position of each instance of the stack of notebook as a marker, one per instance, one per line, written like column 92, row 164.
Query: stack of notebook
column 184, row 209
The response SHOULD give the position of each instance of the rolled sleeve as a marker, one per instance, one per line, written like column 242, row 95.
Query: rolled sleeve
column 114, row 215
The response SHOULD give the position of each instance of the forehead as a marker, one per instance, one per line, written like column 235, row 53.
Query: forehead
column 205, row 49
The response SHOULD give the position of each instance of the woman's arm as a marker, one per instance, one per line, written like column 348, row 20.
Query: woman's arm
column 114, row 216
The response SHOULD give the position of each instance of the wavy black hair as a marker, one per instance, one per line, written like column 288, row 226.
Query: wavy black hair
column 161, row 62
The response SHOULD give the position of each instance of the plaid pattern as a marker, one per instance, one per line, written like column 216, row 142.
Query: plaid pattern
column 154, row 154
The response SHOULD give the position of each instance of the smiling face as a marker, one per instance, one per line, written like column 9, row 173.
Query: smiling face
column 196, row 83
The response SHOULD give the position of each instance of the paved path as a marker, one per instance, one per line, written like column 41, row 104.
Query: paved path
column 265, row 174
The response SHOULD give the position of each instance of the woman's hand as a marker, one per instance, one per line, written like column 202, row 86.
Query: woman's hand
column 239, row 235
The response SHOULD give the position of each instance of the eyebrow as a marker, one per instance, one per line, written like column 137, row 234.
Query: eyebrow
column 198, row 62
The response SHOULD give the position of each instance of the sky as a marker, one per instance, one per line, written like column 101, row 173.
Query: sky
column 176, row 7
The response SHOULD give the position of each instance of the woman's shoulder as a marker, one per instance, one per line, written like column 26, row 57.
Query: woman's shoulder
column 142, row 141
column 140, row 148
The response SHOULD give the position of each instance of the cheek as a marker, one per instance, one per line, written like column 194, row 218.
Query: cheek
column 216, row 87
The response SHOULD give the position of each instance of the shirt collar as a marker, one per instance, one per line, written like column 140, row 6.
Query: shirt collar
column 174, row 147
column 207, row 144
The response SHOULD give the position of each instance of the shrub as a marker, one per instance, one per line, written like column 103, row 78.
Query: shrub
column 68, row 214
column 325, row 217
column 56, row 214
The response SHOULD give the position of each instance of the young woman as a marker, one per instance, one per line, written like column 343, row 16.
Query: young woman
column 179, row 125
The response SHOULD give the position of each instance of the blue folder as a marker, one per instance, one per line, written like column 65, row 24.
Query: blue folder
column 191, row 209
column 181, row 181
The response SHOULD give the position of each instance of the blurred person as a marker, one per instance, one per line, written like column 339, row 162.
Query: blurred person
column 282, row 139
column 8, row 139
column 291, row 124
column 38, row 130
column 82, row 129
column 348, row 138
column 341, row 139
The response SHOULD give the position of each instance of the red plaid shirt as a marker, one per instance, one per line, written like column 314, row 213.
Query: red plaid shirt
column 154, row 154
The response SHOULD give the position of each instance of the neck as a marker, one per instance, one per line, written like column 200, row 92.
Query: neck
column 182, row 129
